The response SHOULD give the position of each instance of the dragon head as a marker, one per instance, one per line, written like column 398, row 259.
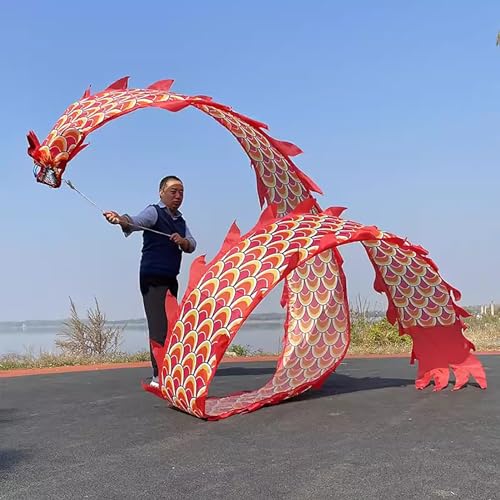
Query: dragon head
column 52, row 156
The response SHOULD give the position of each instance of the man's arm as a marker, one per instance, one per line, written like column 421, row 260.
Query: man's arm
column 146, row 218
column 191, row 241
column 186, row 244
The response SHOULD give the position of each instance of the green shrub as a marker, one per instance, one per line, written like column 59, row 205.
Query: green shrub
column 375, row 335
column 240, row 350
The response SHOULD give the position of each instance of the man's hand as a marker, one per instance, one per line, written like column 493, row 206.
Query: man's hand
column 179, row 240
column 112, row 217
column 115, row 218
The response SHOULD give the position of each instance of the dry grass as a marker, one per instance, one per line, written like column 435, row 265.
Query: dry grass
column 51, row 360
column 91, row 337
column 484, row 332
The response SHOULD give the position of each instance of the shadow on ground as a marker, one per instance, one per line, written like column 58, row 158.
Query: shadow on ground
column 9, row 458
column 8, row 415
column 335, row 384
column 344, row 384
column 237, row 371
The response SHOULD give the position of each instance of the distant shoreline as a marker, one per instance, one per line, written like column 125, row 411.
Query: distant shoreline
column 46, row 323
column 138, row 323
column 274, row 316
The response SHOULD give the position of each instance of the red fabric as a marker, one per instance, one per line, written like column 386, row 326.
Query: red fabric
column 335, row 211
column 261, row 189
column 153, row 390
column 33, row 143
column 232, row 238
column 199, row 266
column 251, row 121
column 121, row 84
column 267, row 216
column 174, row 105
column 159, row 352
column 86, row 94
column 440, row 348
column 171, row 309
column 285, row 148
column 194, row 350
column 307, row 181
column 197, row 270
column 305, row 206
column 162, row 85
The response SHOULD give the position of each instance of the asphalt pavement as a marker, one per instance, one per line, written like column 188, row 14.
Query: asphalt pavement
column 367, row 434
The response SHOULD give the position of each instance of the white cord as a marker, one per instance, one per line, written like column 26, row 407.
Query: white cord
column 72, row 186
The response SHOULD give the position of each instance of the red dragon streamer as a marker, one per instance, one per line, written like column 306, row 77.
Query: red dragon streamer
column 294, row 242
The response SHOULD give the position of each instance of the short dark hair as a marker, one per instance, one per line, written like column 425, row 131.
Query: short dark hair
column 168, row 178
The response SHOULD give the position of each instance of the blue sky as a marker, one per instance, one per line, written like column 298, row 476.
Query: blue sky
column 395, row 105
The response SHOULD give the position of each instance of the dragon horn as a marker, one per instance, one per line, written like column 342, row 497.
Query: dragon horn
column 33, row 142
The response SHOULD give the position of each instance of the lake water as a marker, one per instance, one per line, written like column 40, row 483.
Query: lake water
column 21, row 338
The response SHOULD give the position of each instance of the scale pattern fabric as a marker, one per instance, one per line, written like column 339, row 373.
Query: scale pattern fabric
column 296, row 243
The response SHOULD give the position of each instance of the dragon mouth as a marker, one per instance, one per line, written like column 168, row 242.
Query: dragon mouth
column 47, row 175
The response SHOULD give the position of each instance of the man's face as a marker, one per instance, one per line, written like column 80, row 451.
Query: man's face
column 172, row 194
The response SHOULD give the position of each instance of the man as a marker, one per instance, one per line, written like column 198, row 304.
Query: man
column 161, row 254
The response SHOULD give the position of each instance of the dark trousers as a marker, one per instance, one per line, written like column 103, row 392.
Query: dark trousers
column 154, row 292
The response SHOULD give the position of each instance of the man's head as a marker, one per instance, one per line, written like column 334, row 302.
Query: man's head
column 171, row 192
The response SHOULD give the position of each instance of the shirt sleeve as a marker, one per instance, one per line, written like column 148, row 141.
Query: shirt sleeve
column 192, row 241
column 147, row 218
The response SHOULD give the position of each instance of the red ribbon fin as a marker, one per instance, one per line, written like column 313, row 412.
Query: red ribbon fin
column 162, row 85
column 121, row 84
column 335, row 211
column 174, row 104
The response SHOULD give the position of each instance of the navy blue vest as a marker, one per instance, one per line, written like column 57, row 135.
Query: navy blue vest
column 160, row 255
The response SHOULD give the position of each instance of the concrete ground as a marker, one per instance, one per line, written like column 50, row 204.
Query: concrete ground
column 367, row 434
